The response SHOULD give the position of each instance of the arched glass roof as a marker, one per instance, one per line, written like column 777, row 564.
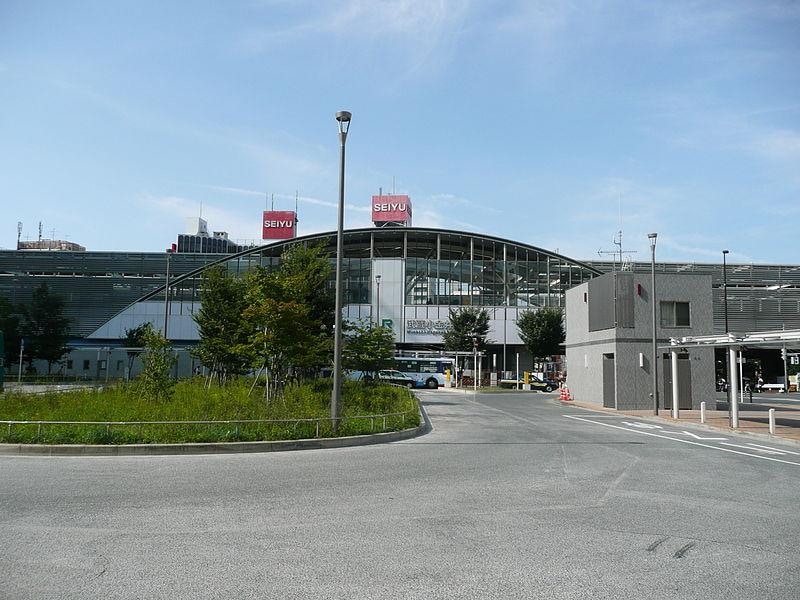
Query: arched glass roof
column 442, row 266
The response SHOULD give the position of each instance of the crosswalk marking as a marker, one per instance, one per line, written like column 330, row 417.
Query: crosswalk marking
column 771, row 448
column 751, row 448
column 683, row 441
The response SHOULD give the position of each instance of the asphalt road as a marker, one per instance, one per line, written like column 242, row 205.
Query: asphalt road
column 510, row 496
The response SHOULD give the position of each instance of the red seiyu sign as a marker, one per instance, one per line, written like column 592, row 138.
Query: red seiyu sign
column 391, row 208
column 278, row 225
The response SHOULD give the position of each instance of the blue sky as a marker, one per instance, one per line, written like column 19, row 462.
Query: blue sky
column 526, row 120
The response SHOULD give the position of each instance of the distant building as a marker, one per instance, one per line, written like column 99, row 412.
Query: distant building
column 609, row 339
column 203, row 243
column 50, row 245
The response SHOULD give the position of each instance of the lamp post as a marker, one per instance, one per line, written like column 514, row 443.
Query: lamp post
column 475, row 364
column 378, row 300
column 725, row 305
column 166, row 296
column 343, row 118
column 725, row 285
column 652, row 237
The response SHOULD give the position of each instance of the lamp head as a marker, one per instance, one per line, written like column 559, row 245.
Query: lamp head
column 726, row 251
column 652, row 237
column 343, row 117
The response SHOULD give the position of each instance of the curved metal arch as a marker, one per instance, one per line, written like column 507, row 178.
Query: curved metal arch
column 281, row 245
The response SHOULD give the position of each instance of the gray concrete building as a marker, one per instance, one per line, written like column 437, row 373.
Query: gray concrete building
column 609, row 339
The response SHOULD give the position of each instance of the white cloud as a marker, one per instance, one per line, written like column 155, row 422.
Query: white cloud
column 181, row 209
column 422, row 34
column 781, row 145
column 300, row 199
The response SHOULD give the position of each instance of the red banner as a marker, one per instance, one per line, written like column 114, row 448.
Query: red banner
column 279, row 225
column 391, row 209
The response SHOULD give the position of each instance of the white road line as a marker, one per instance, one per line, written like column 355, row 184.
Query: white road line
column 697, row 437
column 666, row 437
column 756, row 449
column 641, row 425
column 771, row 448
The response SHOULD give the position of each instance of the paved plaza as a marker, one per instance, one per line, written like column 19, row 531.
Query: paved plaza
column 509, row 496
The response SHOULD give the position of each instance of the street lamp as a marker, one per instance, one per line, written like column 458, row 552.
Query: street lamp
column 343, row 118
column 652, row 237
column 725, row 285
column 475, row 364
column 729, row 373
column 166, row 295
column 378, row 300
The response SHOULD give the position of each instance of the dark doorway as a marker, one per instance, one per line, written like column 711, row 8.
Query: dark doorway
column 609, row 385
column 685, row 375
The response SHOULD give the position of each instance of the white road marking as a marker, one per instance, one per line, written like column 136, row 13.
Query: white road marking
column 749, row 448
column 641, row 425
column 666, row 437
column 697, row 437
column 771, row 448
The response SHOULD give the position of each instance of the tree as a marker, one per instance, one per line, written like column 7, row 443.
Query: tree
column 290, row 316
column 542, row 331
column 155, row 381
column 465, row 324
column 134, row 341
column 45, row 327
column 368, row 348
column 221, row 324
column 10, row 326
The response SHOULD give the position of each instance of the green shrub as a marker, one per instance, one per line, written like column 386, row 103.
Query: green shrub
column 190, row 401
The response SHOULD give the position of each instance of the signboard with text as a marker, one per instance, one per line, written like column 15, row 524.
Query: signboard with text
column 279, row 225
column 391, row 209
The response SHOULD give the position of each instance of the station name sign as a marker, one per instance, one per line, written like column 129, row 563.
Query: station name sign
column 278, row 225
column 392, row 208
column 427, row 326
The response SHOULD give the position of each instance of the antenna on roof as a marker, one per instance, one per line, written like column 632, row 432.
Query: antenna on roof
column 40, row 231
column 296, row 202
column 19, row 231
column 273, row 202
column 201, row 209
column 394, row 189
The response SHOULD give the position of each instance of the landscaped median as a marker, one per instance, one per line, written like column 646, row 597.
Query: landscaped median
column 121, row 415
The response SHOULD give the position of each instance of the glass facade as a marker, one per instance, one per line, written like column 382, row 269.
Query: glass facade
column 440, row 268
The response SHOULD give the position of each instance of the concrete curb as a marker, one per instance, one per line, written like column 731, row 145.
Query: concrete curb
column 218, row 447
column 694, row 424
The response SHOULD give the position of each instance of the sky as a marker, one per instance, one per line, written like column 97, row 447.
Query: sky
column 552, row 123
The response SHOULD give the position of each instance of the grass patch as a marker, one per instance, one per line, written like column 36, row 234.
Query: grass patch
column 192, row 402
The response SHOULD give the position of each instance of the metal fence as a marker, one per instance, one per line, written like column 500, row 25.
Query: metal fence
column 317, row 424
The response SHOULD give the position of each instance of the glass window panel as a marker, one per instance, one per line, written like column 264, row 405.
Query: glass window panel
column 682, row 314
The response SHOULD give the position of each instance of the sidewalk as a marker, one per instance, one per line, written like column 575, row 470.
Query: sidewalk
column 753, row 419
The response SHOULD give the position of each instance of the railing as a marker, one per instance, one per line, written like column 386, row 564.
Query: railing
column 37, row 389
column 209, row 424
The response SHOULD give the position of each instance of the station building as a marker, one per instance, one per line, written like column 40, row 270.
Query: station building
column 609, row 340
column 403, row 276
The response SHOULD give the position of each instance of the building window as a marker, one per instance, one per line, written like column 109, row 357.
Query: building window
column 675, row 314
column 69, row 364
column 102, row 365
column 86, row 365
column 119, row 365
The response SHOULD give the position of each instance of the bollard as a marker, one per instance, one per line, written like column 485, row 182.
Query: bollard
column 702, row 412
column 772, row 421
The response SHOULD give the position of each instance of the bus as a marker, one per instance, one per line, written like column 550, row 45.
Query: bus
column 428, row 372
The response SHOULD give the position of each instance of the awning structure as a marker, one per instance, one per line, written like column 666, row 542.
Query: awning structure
column 735, row 343
column 774, row 339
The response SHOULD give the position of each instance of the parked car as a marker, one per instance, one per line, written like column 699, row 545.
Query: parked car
column 542, row 385
column 391, row 376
